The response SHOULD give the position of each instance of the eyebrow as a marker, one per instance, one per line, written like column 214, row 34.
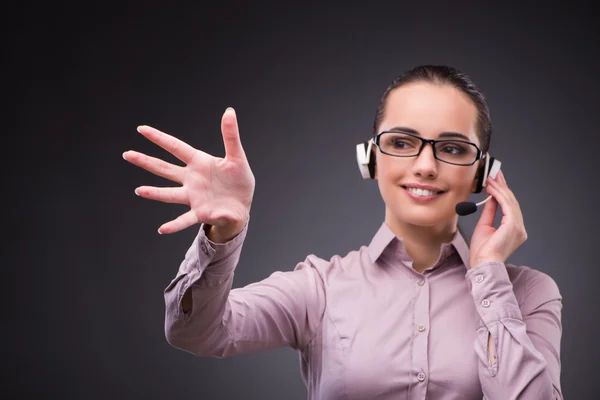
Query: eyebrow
column 442, row 134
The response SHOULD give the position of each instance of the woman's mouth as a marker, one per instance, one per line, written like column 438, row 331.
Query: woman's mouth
column 422, row 194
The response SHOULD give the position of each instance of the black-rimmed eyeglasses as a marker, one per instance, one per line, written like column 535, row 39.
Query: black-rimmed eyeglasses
column 451, row 151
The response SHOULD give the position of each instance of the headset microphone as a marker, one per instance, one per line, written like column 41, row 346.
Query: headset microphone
column 468, row 207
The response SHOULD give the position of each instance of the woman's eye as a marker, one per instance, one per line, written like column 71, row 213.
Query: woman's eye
column 453, row 149
column 400, row 144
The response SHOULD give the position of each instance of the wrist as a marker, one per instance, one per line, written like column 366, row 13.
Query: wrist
column 223, row 234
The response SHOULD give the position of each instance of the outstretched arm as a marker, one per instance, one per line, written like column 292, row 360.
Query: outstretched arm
column 284, row 309
column 203, row 314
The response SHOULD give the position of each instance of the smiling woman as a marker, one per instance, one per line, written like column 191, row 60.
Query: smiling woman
column 418, row 312
column 435, row 111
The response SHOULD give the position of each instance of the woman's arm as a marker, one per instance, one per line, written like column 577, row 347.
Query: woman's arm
column 518, row 346
column 203, row 315
column 284, row 309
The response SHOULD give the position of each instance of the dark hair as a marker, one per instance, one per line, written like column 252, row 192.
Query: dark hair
column 442, row 74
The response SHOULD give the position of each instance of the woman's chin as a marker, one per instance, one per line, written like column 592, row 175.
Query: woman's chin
column 424, row 218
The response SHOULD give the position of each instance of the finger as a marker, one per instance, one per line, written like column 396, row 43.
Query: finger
column 500, row 185
column 501, row 194
column 510, row 207
column 501, row 176
column 514, row 203
column 231, row 135
column 165, row 194
column 155, row 165
column 180, row 223
column 489, row 213
column 178, row 148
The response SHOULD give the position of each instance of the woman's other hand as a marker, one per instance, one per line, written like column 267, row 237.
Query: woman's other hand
column 219, row 191
column 489, row 243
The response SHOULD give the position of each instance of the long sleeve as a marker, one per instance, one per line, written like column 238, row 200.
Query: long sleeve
column 284, row 309
column 526, row 337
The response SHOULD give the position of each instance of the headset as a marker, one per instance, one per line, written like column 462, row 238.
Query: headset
column 365, row 156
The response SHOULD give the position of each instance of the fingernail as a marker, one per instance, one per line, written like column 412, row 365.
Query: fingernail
column 159, row 232
column 124, row 156
column 136, row 192
column 230, row 109
column 138, row 128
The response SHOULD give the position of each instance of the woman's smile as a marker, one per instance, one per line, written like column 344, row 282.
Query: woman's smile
column 422, row 193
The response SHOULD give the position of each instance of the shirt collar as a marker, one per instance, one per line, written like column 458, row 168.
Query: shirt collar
column 385, row 236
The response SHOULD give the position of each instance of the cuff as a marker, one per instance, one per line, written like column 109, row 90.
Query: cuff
column 493, row 293
column 206, row 257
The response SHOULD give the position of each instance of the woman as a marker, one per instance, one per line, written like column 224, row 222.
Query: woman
column 416, row 314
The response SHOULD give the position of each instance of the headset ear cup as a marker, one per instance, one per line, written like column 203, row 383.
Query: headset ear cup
column 365, row 160
column 482, row 173
column 480, row 178
column 490, row 168
column 494, row 168
column 372, row 165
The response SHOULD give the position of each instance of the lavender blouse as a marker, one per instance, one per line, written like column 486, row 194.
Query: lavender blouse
column 368, row 326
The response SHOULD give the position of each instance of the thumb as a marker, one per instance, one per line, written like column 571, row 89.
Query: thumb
column 231, row 135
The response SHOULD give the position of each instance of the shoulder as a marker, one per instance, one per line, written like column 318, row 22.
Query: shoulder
column 532, row 287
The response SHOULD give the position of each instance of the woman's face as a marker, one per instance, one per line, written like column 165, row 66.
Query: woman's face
column 428, row 109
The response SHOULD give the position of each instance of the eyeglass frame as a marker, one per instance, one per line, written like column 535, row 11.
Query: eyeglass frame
column 432, row 142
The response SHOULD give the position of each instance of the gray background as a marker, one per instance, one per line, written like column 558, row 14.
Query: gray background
column 86, row 269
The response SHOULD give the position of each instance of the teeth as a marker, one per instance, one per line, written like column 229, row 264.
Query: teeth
column 421, row 192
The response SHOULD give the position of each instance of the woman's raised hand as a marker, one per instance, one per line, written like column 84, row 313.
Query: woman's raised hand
column 218, row 190
column 497, row 244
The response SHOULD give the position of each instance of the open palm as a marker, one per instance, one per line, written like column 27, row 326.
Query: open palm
column 218, row 190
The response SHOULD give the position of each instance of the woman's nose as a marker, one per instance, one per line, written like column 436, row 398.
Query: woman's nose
column 425, row 163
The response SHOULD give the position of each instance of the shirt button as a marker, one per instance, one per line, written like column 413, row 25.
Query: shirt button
column 421, row 376
column 479, row 278
column 421, row 282
column 486, row 303
column 420, row 327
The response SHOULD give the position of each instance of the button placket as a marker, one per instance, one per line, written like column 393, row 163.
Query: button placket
column 420, row 334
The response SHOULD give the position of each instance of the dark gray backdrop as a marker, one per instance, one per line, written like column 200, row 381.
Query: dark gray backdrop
column 86, row 268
